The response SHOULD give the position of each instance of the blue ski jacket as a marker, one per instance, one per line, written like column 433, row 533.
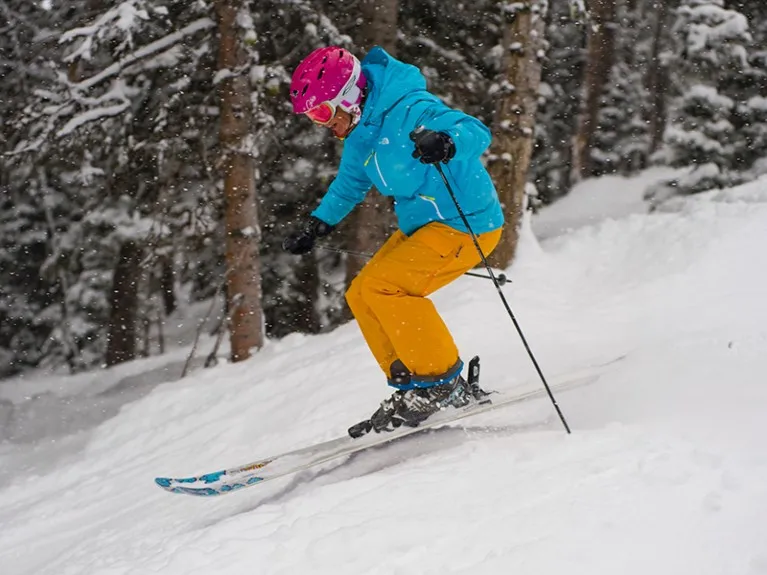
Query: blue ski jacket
column 379, row 152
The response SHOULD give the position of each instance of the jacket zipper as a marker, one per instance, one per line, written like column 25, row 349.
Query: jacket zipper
column 378, row 168
column 433, row 202
column 380, row 174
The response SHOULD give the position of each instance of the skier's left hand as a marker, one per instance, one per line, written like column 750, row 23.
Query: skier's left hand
column 302, row 241
column 432, row 147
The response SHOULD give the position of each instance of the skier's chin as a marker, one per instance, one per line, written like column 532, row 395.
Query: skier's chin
column 341, row 134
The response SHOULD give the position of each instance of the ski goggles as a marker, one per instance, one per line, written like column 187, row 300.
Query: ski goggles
column 323, row 114
column 349, row 98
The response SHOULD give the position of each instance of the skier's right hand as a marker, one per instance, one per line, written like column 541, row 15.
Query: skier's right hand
column 302, row 241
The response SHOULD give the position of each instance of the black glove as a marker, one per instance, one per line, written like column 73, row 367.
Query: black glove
column 302, row 241
column 432, row 147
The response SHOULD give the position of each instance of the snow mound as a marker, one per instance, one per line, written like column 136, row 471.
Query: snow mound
column 665, row 471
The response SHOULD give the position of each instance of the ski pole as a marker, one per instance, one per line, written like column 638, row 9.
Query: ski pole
column 503, row 298
column 501, row 278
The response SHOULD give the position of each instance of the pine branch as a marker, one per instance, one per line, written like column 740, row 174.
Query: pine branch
column 144, row 52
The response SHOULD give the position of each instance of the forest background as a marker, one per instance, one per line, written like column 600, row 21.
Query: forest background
column 149, row 158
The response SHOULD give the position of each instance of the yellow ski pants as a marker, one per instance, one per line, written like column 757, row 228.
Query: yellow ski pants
column 389, row 296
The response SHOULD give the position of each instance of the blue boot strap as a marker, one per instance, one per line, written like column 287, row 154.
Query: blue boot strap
column 418, row 382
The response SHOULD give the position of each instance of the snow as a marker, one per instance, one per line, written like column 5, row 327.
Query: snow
column 710, row 25
column 665, row 471
column 695, row 139
column 757, row 103
column 710, row 96
column 223, row 74
column 592, row 201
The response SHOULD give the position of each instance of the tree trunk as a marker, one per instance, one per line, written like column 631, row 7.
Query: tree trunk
column 514, row 123
column 599, row 62
column 657, row 81
column 379, row 24
column 373, row 220
column 167, row 286
column 242, row 230
column 121, row 341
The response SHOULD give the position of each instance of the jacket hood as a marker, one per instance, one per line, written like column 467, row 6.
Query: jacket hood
column 389, row 80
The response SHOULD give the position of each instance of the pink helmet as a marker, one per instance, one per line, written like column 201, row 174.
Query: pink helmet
column 331, row 74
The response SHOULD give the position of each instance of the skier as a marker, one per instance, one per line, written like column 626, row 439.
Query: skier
column 388, row 121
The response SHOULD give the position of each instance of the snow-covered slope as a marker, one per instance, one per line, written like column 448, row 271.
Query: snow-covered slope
column 592, row 201
column 666, row 471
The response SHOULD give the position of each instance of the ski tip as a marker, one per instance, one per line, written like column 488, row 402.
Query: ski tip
column 207, row 479
column 177, row 486
column 172, row 486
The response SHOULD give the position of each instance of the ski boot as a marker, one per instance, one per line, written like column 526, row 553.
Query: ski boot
column 411, row 407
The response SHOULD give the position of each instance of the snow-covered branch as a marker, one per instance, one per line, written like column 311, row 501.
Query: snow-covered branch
column 447, row 54
column 91, row 116
column 157, row 46
column 122, row 16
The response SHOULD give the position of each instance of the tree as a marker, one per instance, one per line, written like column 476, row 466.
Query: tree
column 709, row 60
column 296, row 164
column 105, row 131
column 657, row 76
column 621, row 140
column 121, row 341
column 235, row 28
column 599, row 62
column 750, row 114
column 372, row 221
column 517, row 101
column 559, row 101
column 23, row 226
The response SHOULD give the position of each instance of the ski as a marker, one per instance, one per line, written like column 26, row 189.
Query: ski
column 257, row 472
